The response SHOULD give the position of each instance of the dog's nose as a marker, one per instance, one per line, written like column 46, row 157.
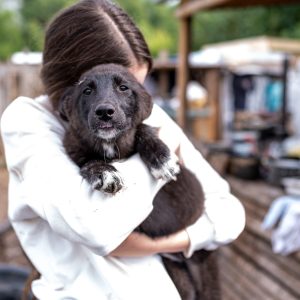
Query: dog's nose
column 105, row 112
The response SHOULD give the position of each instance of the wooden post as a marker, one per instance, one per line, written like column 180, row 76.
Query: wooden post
column 183, row 67
column 207, row 127
column 163, row 80
column 163, row 74
column 212, row 84
column 284, row 98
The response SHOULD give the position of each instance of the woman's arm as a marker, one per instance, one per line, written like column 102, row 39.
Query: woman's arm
column 224, row 217
column 138, row 244
column 45, row 183
column 223, row 211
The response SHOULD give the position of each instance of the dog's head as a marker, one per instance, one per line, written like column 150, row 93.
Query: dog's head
column 106, row 101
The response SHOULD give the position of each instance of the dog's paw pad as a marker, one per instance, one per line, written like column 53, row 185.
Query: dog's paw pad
column 168, row 170
column 112, row 182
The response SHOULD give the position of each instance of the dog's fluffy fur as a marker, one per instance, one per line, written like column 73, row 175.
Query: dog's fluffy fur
column 105, row 111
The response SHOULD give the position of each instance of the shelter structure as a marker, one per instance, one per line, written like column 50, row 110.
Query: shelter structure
column 249, row 267
column 185, row 12
column 257, row 57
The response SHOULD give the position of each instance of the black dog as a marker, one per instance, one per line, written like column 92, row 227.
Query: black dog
column 105, row 111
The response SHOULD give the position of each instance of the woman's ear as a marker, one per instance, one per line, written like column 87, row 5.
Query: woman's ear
column 64, row 105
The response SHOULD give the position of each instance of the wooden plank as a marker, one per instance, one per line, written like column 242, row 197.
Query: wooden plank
column 183, row 69
column 248, row 289
column 5, row 227
column 252, row 273
column 260, row 195
column 285, row 45
column 212, row 85
column 254, row 226
column 201, row 130
column 193, row 7
column 269, row 265
column 250, row 260
column 257, row 191
column 254, row 210
column 228, row 286
column 163, row 83
column 262, row 248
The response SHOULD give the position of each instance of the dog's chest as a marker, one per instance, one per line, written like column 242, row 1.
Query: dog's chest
column 109, row 150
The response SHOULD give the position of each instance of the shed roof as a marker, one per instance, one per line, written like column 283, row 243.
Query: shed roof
column 191, row 7
column 262, row 43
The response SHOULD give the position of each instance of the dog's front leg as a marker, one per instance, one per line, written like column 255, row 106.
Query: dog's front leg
column 156, row 154
column 102, row 176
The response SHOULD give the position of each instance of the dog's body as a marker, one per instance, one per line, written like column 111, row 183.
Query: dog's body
column 105, row 111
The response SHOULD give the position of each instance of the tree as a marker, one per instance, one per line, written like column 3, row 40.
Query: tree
column 10, row 34
column 157, row 23
column 25, row 29
column 219, row 26
column 36, row 15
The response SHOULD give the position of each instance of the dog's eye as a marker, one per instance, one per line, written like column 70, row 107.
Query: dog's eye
column 87, row 91
column 123, row 88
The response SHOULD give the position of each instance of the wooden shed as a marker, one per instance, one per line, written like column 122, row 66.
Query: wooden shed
column 248, row 267
column 260, row 57
column 185, row 12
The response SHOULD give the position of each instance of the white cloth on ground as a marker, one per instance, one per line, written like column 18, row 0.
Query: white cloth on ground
column 284, row 211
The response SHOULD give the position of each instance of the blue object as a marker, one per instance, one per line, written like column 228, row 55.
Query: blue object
column 12, row 281
column 277, row 210
column 274, row 92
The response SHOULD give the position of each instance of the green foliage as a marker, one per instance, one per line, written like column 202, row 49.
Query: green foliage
column 36, row 14
column 10, row 34
column 218, row 26
column 158, row 39
column 157, row 23
column 25, row 29
column 41, row 11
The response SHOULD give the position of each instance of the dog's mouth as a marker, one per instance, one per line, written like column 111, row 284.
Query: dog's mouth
column 107, row 129
column 106, row 126
column 104, row 130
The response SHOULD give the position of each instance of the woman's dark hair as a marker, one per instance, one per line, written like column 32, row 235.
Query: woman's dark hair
column 89, row 33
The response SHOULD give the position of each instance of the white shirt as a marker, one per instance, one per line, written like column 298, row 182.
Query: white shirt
column 67, row 229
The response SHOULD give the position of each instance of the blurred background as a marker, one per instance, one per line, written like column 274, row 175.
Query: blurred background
column 228, row 72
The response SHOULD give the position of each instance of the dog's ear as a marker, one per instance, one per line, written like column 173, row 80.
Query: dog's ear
column 64, row 106
column 144, row 104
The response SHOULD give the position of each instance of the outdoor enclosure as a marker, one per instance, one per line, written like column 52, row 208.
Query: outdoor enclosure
column 16, row 80
column 249, row 267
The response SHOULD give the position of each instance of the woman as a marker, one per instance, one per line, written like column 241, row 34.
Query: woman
column 81, row 240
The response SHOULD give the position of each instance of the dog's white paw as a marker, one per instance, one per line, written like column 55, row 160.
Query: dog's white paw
column 168, row 169
column 110, row 182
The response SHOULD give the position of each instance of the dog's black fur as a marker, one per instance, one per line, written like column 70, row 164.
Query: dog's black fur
column 105, row 111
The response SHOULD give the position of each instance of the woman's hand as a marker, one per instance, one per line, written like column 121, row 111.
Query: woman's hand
column 138, row 244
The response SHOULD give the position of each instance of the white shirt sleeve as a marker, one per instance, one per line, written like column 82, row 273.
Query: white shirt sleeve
column 224, row 216
column 45, row 183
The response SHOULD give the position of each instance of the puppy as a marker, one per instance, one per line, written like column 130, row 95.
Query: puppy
column 105, row 111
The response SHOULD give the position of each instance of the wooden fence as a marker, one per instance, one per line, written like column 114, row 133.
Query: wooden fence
column 17, row 80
